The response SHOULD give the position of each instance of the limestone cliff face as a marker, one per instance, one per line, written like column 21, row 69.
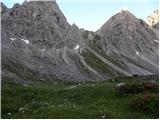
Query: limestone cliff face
column 39, row 45
column 153, row 19
column 153, row 22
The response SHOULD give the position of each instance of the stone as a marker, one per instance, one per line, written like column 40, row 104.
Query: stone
column 9, row 113
column 103, row 116
column 120, row 84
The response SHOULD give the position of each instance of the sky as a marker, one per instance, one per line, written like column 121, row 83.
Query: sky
column 92, row 14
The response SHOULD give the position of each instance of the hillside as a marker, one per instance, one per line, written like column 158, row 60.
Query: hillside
column 40, row 46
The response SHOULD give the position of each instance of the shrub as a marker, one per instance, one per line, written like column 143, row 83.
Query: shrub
column 146, row 103
column 129, row 89
column 134, row 75
column 150, row 84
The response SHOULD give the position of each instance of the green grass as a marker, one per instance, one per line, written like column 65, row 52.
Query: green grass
column 91, row 100
column 99, row 65
column 95, row 45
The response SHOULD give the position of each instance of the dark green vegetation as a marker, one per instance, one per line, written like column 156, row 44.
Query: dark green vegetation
column 99, row 65
column 147, row 103
column 85, row 100
column 18, row 69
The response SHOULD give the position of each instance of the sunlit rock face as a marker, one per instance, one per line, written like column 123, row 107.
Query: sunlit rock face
column 38, row 44
column 153, row 19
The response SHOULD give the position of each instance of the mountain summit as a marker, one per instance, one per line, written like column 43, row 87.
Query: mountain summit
column 124, row 17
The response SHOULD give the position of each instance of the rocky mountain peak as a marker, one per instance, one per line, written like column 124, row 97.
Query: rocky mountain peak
column 3, row 8
column 123, row 18
column 124, row 15
column 153, row 19
column 123, row 9
column 33, row 9
column 125, row 32
column 37, row 21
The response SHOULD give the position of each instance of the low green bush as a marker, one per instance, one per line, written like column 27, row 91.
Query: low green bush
column 129, row 89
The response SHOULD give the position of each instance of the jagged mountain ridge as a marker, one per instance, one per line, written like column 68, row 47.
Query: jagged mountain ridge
column 38, row 44
column 128, row 35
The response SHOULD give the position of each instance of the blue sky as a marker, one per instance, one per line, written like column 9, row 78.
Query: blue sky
column 92, row 14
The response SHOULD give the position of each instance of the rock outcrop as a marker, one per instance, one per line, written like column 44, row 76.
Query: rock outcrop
column 153, row 19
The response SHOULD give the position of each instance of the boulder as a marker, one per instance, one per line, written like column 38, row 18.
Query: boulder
column 120, row 84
